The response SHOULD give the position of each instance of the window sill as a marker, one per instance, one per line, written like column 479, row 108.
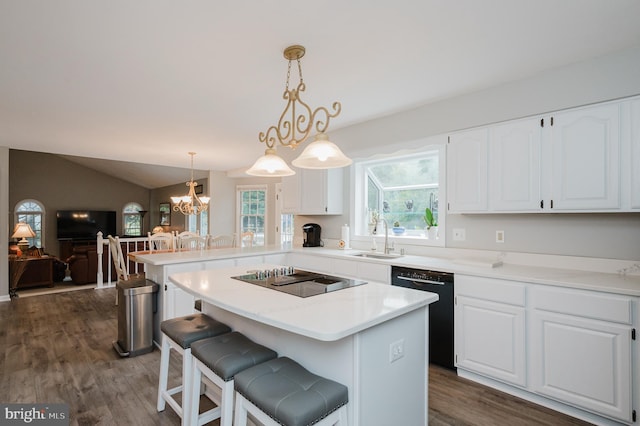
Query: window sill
column 414, row 240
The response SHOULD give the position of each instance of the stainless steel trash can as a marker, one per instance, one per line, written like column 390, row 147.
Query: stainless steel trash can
column 136, row 305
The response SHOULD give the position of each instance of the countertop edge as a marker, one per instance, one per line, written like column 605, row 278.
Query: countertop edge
column 425, row 299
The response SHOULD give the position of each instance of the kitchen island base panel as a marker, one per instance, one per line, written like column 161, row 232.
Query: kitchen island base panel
column 378, row 387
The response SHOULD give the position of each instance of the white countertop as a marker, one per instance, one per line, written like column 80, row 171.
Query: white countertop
column 477, row 266
column 188, row 256
column 544, row 269
column 326, row 317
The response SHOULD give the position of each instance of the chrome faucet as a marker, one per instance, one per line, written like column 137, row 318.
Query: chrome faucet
column 387, row 249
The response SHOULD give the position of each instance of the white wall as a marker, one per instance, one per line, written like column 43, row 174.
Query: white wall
column 222, row 220
column 614, row 236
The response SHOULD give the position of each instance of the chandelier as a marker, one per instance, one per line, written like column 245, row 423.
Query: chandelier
column 190, row 204
column 294, row 127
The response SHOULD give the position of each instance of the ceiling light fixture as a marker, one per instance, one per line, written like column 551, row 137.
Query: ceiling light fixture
column 294, row 126
column 190, row 204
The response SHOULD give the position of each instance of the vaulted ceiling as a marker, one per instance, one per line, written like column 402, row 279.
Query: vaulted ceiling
column 147, row 81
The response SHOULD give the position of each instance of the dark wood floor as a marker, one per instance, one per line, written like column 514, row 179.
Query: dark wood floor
column 57, row 349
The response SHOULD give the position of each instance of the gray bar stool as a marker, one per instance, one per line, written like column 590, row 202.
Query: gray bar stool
column 282, row 392
column 178, row 334
column 220, row 358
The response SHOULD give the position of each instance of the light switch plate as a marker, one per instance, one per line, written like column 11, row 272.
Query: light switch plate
column 459, row 234
column 396, row 350
column 499, row 236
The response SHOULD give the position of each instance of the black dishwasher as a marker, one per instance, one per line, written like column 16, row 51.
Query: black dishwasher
column 440, row 312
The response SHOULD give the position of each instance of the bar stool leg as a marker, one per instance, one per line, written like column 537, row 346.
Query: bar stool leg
column 164, row 373
column 241, row 411
column 187, row 362
column 227, row 404
column 194, row 410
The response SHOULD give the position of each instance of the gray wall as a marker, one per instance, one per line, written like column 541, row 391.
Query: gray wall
column 60, row 184
column 614, row 236
column 4, row 219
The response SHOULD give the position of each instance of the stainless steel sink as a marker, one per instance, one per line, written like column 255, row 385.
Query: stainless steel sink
column 377, row 255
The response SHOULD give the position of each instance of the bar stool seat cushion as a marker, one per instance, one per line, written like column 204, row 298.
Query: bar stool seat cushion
column 230, row 353
column 188, row 329
column 290, row 394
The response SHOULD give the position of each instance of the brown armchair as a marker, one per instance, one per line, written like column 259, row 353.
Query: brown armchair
column 83, row 265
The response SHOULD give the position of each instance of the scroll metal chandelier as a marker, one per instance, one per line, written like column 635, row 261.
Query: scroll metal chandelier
column 190, row 204
column 294, row 127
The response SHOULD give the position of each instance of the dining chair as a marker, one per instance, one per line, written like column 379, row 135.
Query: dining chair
column 188, row 240
column 160, row 241
column 118, row 258
column 246, row 239
column 222, row 241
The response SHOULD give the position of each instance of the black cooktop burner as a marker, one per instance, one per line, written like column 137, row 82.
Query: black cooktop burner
column 297, row 282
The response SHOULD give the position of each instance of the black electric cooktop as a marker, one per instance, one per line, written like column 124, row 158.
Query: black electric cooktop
column 297, row 282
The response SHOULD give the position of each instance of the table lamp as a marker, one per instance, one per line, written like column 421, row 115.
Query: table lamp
column 24, row 231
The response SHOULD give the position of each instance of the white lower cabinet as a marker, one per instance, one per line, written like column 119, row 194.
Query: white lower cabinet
column 178, row 303
column 309, row 262
column 581, row 350
column 490, row 328
column 565, row 345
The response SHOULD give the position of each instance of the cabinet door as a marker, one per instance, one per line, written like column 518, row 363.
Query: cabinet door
column 635, row 154
column 290, row 194
column 490, row 339
column 321, row 191
column 586, row 158
column 467, row 171
column 177, row 302
column 514, row 177
column 583, row 362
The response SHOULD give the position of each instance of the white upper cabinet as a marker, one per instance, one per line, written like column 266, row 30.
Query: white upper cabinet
column 586, row 158
column 467, row 171
column 515, row 174
column 313, row 192
column 290, row 193
column 569, row 161
column 635, row 153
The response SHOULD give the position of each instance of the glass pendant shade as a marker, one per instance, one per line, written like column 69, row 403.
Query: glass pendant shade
column 321, row 154
column 270, row 165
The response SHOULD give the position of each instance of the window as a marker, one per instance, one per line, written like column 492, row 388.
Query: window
column 252, row 205
column 286, row 229
column 198, row 223
column 131, row 219
column 398, row 189
column 32, row 212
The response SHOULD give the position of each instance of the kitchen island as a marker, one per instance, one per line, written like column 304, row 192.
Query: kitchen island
column 372, row 337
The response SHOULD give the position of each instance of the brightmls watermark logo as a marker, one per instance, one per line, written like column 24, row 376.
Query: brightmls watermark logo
column 34, row 414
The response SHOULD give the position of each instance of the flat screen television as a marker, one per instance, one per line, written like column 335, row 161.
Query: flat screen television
column 85, row 224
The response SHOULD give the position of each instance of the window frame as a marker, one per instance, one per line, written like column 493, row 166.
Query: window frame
column 359, row 204
column 125, row 214
column 42, row 212
column 244, row 188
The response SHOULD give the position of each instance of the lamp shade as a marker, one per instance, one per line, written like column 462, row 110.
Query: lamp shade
column 321, row 154
column 23, row 230
column 270, row 165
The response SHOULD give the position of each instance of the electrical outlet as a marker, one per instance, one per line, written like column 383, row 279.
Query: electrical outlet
column 499, row 236
column 396, row 350
column 459, row 234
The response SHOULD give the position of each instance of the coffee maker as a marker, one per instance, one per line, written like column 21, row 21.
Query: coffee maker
column 311, row 235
